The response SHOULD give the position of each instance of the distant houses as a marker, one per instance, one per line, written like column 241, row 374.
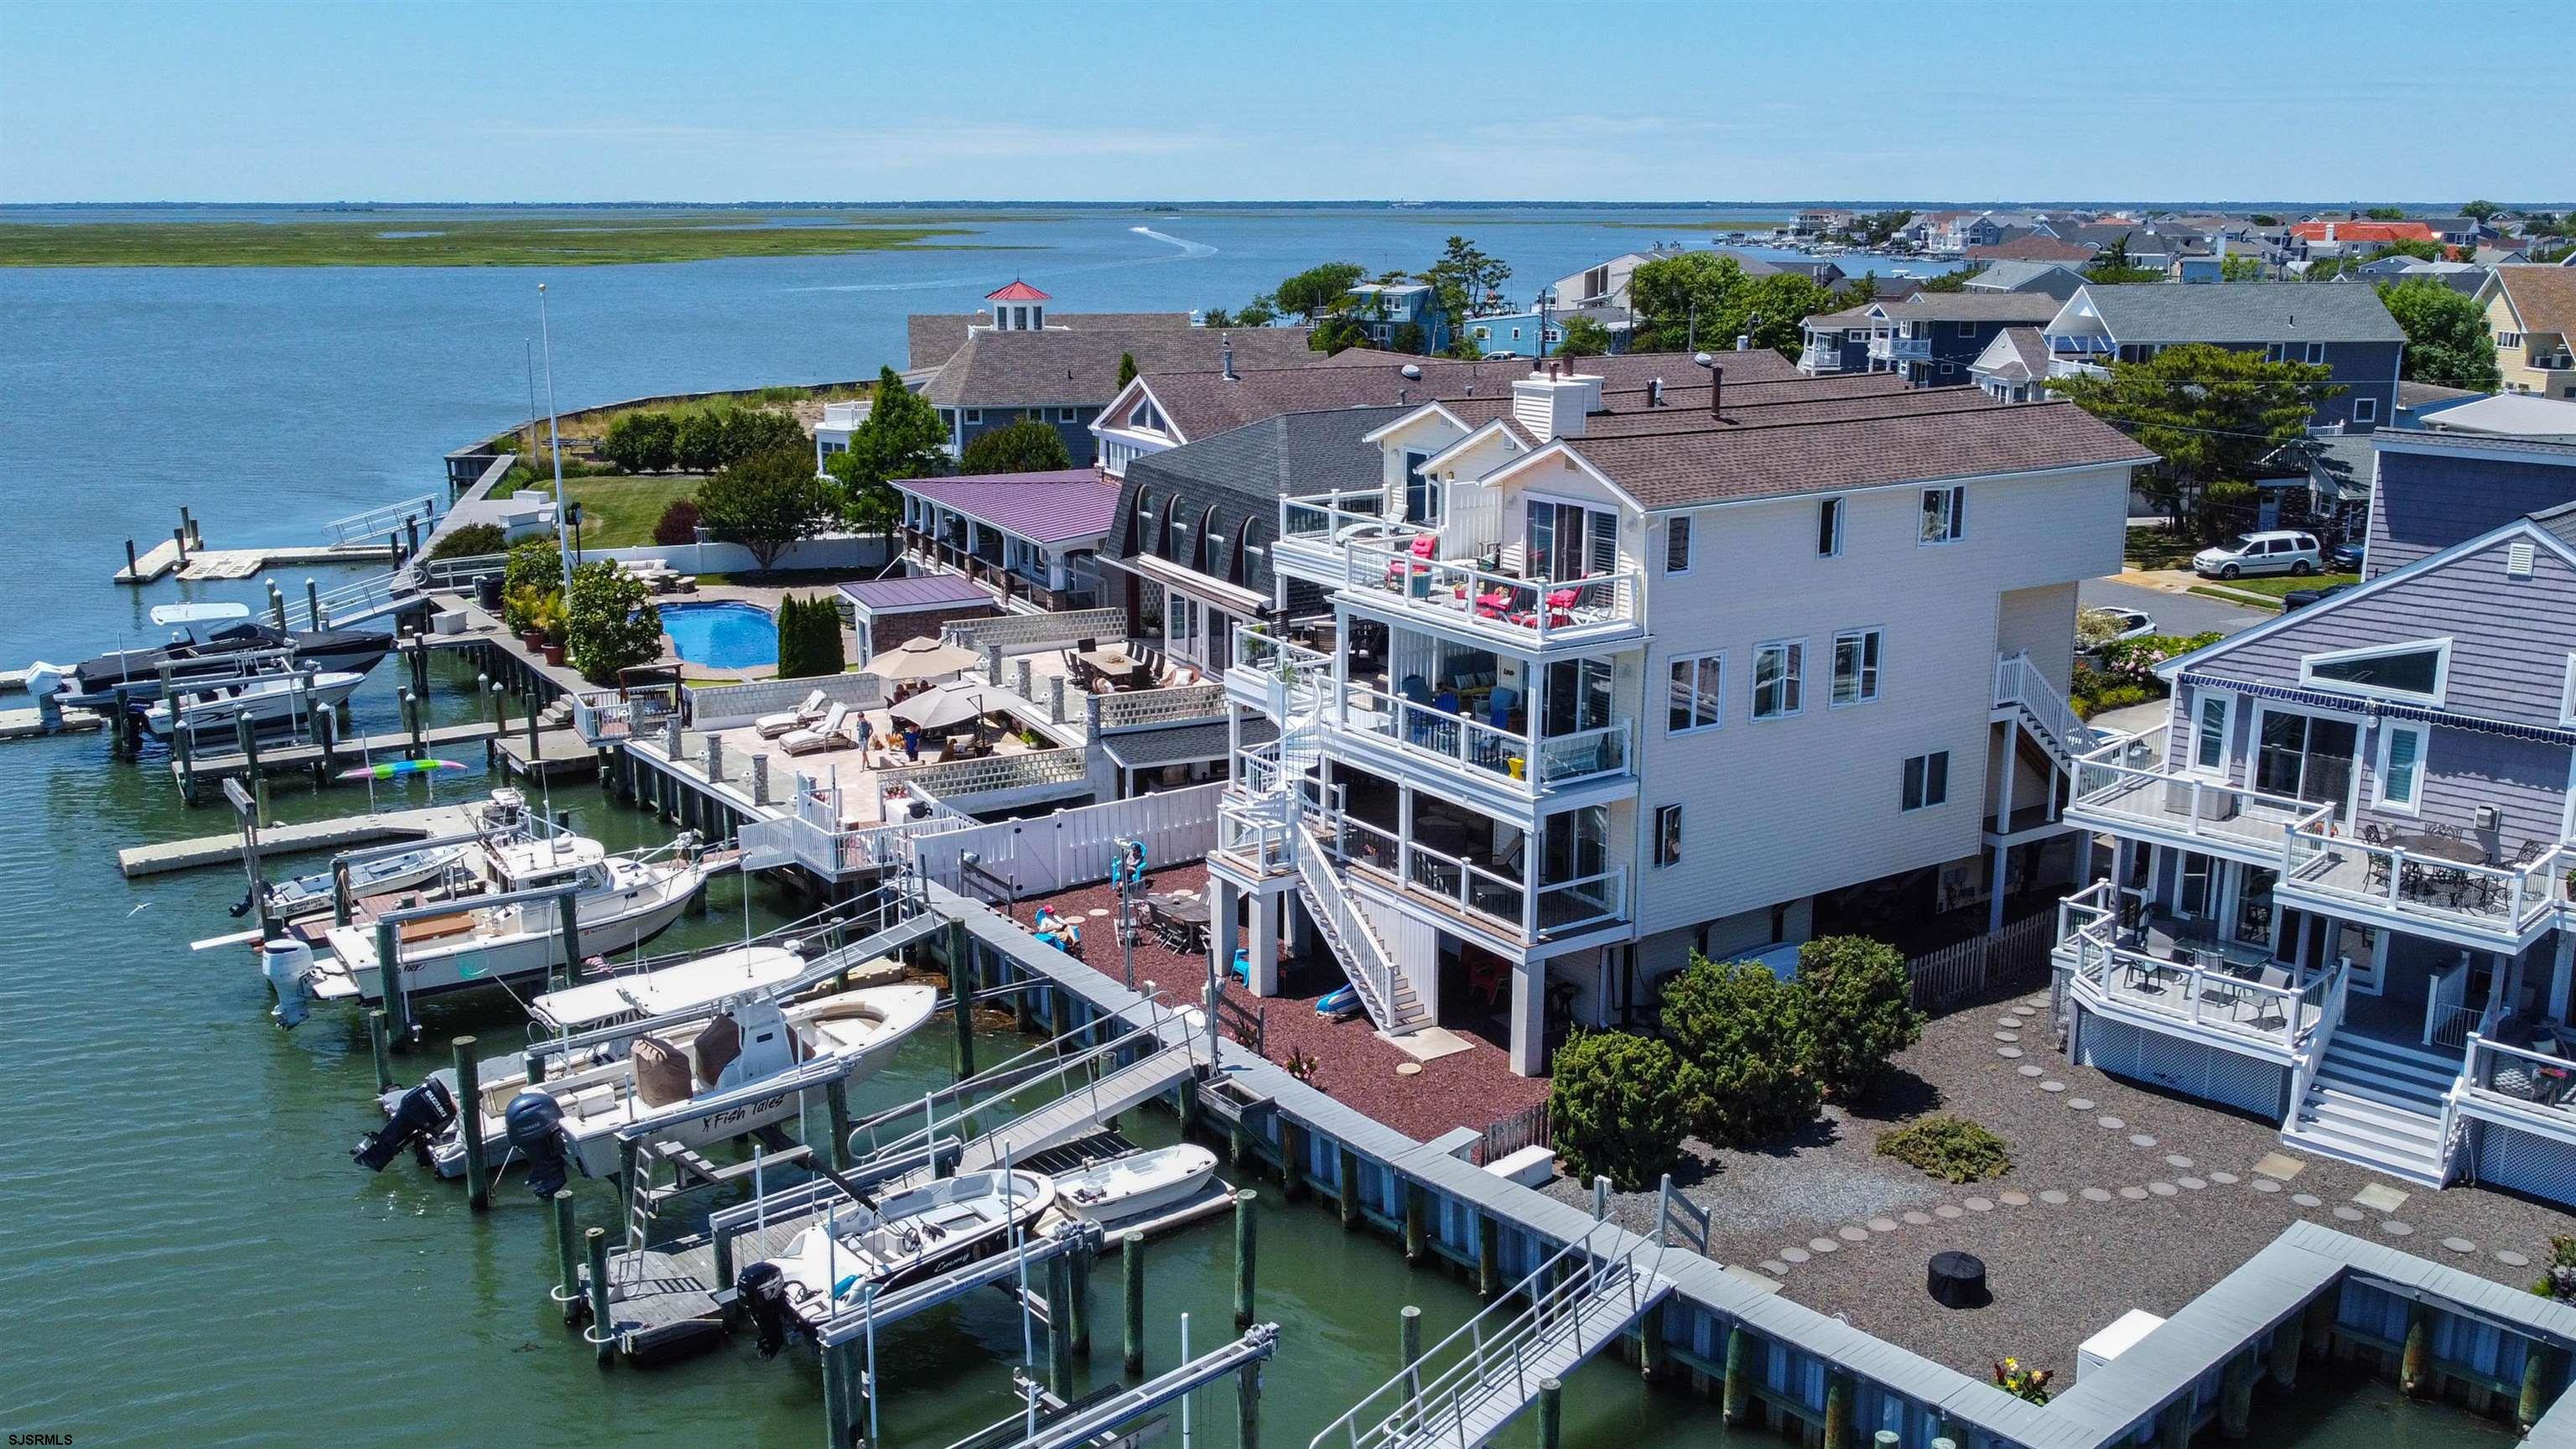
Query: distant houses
column 2341, row 327
column 2531, row 310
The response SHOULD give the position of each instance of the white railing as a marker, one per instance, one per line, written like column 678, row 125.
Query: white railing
column 1563, row 759
column 2512, row 899
column 2524, row 1077
column 1509, row 906
column 2210, row 998
column 1445, row 735
column 1330, row 516
column 2097, row 905
column 1472, row 889
column 1018, row 633
column 724, row 706
column 1584, row 901
column 1817, row 357
column 2019, row 684
column 449, row 575
column 601, row 716
column 1516, row 608
column 2303, row 1072
column 2131, row 780
column 1365, row 958
column 1251, row 831
column 377, row 522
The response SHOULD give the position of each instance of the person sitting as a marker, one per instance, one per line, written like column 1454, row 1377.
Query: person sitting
column 1056, row 931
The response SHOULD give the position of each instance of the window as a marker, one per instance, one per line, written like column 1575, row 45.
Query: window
column 1483, row 334
column 2401, row 767
column 2209, row 733
column 1778, row 679
column 2276, row 352
column 2365, row 409
column 1668, row 835
column 1421, row 490
column 1855, row 667
column 1829, row 528
column 2317, row 353
column 2419, row 671
column 1927, row 780
column 2567, row 698
column 2508, row 339
column 1699, row 700
column 2192, row 898
column 1967, row 329
column 974, row 415
column 1677, row 545
column 1945, row 514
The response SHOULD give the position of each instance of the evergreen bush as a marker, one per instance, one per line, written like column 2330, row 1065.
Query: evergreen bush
column 1619, row 1106
column 1737, row 1025
column 1855, row 1013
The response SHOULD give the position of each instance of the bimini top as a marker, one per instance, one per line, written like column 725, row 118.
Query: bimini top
column 180, row 615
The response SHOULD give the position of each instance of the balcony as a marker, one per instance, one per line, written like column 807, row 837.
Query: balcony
column 1502, row 906
column 2128, row 787
column 1819, row 358
column 1339, row 541
column 1900, row 348
column 2524, row 1083
column 2225, row 1002
column 2417, row 884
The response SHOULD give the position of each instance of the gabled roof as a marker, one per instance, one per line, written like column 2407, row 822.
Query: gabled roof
column 2240, row 313
column 1018, row 291
column 2364, row 231
column 2014, row 274
column 2031, row 307
column 930, row 338
column 2034, row 248
column 2014, row 351
column 2544, row 297
column 1242, row 473
column 1080, row 368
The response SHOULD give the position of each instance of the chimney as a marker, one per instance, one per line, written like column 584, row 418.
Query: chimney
column 1716, row 390
column 1228, row 340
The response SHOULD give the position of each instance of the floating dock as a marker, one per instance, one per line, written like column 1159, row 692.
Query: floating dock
column 29, row 724
column 316, row 835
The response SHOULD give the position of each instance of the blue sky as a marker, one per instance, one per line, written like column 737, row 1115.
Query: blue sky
column 2317, row 101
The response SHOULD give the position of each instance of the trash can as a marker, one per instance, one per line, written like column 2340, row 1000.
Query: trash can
column 487, row 593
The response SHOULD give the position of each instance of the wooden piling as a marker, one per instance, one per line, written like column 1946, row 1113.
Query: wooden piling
column 1551, row 1413
column 838, row 1412
column 2414, row 1366
column 1078, row 1302
column 836, row 1100
column 133, row 571
column 1247, row 1406
column 1350, row 1188
column 1416, row 1235
column 1131, row 1253
column 2285, row 1350
column 1243, row 1254
column 1737, row 1404
column 567, row 1258
column 1887, row 1439
column 2173, row 1423
column 2236, row 1395
column 1838, row 1410
column 1489, row 1256
column 469, row 1119
column 602, row 1324
column 1292, row 1159
column 390, row 984
column 1408, row 1343
column 380, row 1041
column 1059, row 1347
column 568, row 925
column 1654, row 1354
column 2319, row 1338
column 2540, row 1375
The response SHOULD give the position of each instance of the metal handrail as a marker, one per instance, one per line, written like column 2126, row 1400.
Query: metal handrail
column 1162, row 1015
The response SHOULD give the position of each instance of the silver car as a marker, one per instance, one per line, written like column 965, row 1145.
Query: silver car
column 2278, row 551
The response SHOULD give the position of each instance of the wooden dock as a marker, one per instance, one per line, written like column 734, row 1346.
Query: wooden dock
column 28, row 724
column 304, row 754
column 561, row 752
column 313, row 835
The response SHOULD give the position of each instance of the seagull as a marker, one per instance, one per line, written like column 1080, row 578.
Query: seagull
column 130, row 915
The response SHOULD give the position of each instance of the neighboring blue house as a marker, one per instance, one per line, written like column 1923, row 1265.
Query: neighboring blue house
column 1385, row 307
column 2342, row 327
column 2336, row 897
column 1516, row 334
column 2435, row 489
column 1933, row 338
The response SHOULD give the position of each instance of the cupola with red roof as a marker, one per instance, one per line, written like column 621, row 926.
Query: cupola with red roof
column 1018, row 307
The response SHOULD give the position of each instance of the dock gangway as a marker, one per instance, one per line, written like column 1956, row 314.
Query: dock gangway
column 392, row 518
column 1098, row 1418
column 1471, row 1385
column 360, row 600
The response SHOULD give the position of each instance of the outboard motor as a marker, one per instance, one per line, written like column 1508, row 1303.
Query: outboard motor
column 420, row 1117
column 286, row 961
column 533, row 1123
column 764, row 1293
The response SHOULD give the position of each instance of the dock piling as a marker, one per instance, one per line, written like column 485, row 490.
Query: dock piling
column 1077, row 1303
column 312, row 604
column 1551, row 1413
column 469, row 1119
column 567, row 1294
column 1838, row 1410
column 836, row 1100
column 179, row 536
column 961, row 985
column 2540, row 1364
column 1247, row 1406
column 1243, row 1254
column 2236, row 1395
column 418, row 748
column 133, row 570
column 836, row 1390
column 1737, row 1404
column 276, row 605
column 1292, row 1160
column 1408, row 1338
column 602, row 1331
column 1489, row 1256
column 379, row 1038
column 390, row 984
column 1059, row 1291
column 2285, row 1350
column 2414, row 1367
column 1131, row 1252
column 1349, row 1174
column 1416, row 1234
column 568, row 925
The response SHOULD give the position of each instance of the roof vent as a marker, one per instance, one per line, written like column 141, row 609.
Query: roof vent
column 2518, row 559
column 1412, row 370
column 1654, row 392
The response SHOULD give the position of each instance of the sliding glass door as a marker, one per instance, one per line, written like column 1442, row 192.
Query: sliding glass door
column 2307, row 758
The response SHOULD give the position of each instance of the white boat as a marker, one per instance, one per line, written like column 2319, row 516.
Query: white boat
column 729, row 1050
column 1132, row 1186
column 686, row 986
column 622, row 902
column 266, row 699
column 907, row 1237
column 311, row 894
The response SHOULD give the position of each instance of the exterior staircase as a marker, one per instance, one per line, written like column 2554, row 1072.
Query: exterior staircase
column 2041, row 711
column 1344, row 925
column 2377, row 1104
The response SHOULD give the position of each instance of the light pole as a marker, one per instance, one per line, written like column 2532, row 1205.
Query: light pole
column 1546, row 304
column 554, row 442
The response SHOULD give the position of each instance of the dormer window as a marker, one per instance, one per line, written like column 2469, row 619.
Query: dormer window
column 1143, row 415
column 2418, row 671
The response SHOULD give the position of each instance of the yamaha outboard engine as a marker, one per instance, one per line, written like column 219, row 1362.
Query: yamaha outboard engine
column 286, row 961
column 764, row 1292
column 533, row 1123
column 420, row 1117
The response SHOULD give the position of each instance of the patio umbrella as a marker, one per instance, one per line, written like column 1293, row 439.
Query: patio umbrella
column 919, row 659
column 943, row 708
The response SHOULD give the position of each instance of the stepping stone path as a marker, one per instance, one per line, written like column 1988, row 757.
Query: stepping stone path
column 1947, row 1211
column 2009, row 1023
column 2008, row 1053
column 2223, row 1179
column 2014, row 1199
column 1774, row 1267
column 2176, row 1159
column 2053, row 1198
column 2266, row 1184
column 1919, row 1219
column 2395, row 1229
column 2140, row 1139
column 2459, row 1245
column 2194, row 1183
column 2027, row 1070
column 2348, row 1214
column 2095, row 1194
column 2081, row 1104
column 1794, row 1255
column 2163, row 1189
column 2513, row 1260
column 2134, row 1194
column 2303, row 1199
column 1981, row 1205
column 1824, row 1245
column 2052, row 1086
column 1999, row 1036
column 1882, row 1225
column 2111, row 1124
column 1847, row 1234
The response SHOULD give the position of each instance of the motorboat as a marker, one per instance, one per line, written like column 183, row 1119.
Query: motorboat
column 620, row 901
column 308, row 895
column 266, row 700
column 208, row 642
column 907, row 1237
column 666, row 991
column 714, row 1057
column 1132, row 1186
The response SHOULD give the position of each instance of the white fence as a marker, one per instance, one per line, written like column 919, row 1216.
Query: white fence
column 1077, row 846
column 724, row 706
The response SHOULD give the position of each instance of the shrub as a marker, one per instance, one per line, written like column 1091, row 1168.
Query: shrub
column 1855, row 1013
column 641, row 442
column 1619, row 1106
column 610, row 624
column 2560, row 1281
column 809, row 638
column 2022, row 1383
column 471, row 541
column 535, row 562
column 678, row 524
column 1027, row 446
column 698, row 440
column 1737, row 1025
column 749, row 432
column 1952, row 1149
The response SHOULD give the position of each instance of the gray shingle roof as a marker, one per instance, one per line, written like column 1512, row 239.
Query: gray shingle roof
column 2032, row 307
column 1079, row 368
column 2241, row 313
column 1183, row 744
column 1242, row 474
column 2559, row 521
column 930, row 338
column 2011, row 274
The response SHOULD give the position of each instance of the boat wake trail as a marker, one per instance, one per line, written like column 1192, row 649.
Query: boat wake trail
column 1185, row 251
column 1188, row 248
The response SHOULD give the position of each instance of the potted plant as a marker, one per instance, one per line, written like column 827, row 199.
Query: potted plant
column 549, row 628
column 2022, row 1383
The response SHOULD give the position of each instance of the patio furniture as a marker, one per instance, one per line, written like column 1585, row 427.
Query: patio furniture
column 803, row 716
column 830, row 734
column 1957, row 1280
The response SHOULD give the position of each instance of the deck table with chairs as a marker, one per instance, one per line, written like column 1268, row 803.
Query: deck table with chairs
column 2425, row 863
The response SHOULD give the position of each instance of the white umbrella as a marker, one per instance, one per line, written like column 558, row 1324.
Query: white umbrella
column 944, row 707
column 922, row 658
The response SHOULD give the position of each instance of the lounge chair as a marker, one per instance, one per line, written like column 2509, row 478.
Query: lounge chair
column 803, row 716
column 831, row 734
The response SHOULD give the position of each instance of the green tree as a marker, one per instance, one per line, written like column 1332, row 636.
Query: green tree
column 2209, row 412
column 901, row 437
column 1879, row 227
column 809, row 638
column 1618, row 1107
column 1126, row 368
column 1584, row 337
column 1317, row 290
column 1860, row 291
column 766, row 502
column 1408, row 337
column 472, row 540
column 2407, row 246
column 698, row 441
column 1027, row 446
column 610, row 622
column 2385, row 213
column 1956, row 281
column 2238, row 267
column 2447, row 341
column 2264, row 218
column 2111, row 266
column 1668, row 292
column 2480, row 211
column 640, row 442
column 1335, row 334
column 533, row 563
column 751, row 431
column 1737, row 1025
column 1465, row 276
column 1855, row 1014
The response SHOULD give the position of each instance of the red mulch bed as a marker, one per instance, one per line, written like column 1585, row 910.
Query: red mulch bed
column 1474, row 1088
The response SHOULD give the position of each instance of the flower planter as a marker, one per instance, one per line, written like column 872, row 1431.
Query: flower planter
column 533, row 638
column 554, row 653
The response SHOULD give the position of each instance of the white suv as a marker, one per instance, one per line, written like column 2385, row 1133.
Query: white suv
column 2277, row 552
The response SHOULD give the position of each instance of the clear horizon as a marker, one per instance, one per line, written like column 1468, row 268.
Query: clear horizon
column 1138, row 102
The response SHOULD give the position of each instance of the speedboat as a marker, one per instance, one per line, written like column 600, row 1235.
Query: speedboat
column 907, row 1237
column 264, row 699
column 1136, row 1184
column 207, row 643
column 728, row 1050
column 667, row 991
column 308, row 895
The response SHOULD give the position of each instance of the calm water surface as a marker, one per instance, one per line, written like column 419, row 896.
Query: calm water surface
column 186, row 1253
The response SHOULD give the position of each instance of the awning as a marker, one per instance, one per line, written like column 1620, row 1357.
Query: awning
column 1233, row 598
column 2354, row 704
column 1187, row 744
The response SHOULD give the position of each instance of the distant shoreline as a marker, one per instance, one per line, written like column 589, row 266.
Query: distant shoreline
column 458, row 242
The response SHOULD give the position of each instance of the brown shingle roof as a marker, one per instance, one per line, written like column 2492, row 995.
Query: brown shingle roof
column 1869, row 443
column 1079, row 368
column 2544, row 297
column 1976, row 307
column 930, row 338
column 2032, row 248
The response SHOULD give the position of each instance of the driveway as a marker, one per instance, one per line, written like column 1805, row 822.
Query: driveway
column 2175, row 613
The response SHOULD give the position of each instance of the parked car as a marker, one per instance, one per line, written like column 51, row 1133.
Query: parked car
column 2346, row 558
column 2279, row 551
column 2122, row 624
column 2301, row 598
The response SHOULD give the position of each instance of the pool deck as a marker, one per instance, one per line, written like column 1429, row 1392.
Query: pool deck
column 765, row 596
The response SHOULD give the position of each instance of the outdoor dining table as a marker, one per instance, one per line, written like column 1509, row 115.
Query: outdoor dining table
column 2443, row 847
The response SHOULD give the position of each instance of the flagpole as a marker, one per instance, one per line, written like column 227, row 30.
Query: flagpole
column 554, row 445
